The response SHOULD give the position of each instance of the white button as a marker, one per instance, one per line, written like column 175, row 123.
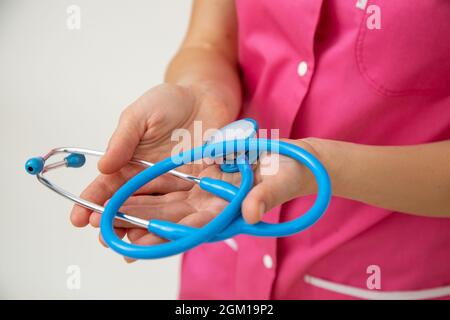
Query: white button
column 361, row 4
column 302, row 68
column 232, row 244
column 268, row 262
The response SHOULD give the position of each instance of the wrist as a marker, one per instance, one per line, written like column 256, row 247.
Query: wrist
column 213, row 103
column 302, row 179
column 327, row 152
column 209, row 72
column 335, row 157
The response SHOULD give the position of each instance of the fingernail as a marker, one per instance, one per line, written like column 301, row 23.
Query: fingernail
column 262, row 210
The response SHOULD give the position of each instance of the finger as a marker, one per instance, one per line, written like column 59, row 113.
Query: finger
column 170, row 212
column 148, row 239
column 267, row 195
column 133, row 234
column 281, row 183
column 255, row 203
column 151, row 200
column 123, row 142
column 94, row 219
column 198, row 219
column 104, row 186
column 142, row 237
column 98, row 191
column 165, row 184
column 120, row 232
column 79, row 216
column 137, row 233
column 142, row 201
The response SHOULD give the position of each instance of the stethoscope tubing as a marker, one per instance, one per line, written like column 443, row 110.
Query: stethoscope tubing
column 180, row 245
column 229, row 222
column 173, row 231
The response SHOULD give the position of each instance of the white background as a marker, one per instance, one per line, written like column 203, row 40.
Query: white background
column 67, row 88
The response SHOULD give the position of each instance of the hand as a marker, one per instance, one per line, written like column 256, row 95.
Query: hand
column 196, row 207
column 144, row 132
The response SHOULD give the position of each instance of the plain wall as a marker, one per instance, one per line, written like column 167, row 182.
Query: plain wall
column 61, row 87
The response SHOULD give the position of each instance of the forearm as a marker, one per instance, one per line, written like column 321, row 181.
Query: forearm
column 208, row 69
column 409, row 179
column 208, row 57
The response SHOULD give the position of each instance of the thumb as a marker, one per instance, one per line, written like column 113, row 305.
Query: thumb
column 290, row 180
column 123, row 143
column 264, row 196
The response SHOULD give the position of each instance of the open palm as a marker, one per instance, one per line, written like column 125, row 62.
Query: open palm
column 144, row 131
column 196, row 207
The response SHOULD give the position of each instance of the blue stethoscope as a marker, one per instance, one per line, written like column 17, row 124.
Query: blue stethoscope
column 238, row 146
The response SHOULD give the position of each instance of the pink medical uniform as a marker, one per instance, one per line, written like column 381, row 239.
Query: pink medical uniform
column 330, row 69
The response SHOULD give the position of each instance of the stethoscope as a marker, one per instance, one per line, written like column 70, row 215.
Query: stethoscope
column 236, row 144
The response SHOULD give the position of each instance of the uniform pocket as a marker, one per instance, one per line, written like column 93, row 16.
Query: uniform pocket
column 410, row 54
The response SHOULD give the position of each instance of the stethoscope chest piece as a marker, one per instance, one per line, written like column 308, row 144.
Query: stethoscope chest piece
column 239, row 130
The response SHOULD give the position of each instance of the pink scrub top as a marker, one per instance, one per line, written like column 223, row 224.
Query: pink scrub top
column 330, row 69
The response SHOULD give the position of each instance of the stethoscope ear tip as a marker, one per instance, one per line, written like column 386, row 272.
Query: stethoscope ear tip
column 34, row 165
column 75, row 160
